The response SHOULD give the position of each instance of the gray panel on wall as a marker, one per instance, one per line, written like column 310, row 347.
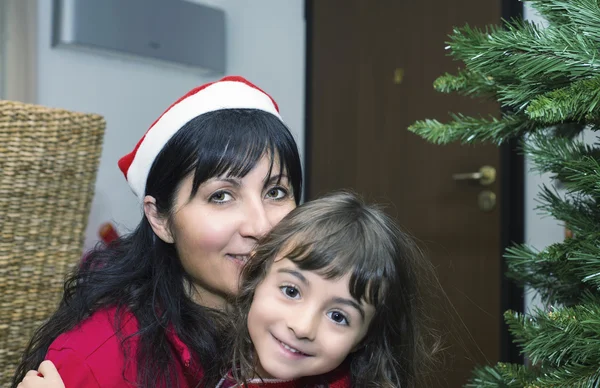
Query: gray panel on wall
column 169, row 30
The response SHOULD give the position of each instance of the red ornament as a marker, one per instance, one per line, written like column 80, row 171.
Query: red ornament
column 108, row 233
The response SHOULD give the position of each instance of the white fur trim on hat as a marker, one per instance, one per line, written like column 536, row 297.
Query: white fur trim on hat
column 224, row 94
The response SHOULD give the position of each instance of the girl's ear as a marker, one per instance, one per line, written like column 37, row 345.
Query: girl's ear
column 159, row 224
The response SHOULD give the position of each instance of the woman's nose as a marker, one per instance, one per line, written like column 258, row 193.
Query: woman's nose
column 256, row 221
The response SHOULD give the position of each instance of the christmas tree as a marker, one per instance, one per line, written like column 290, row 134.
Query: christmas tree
column 547, row 79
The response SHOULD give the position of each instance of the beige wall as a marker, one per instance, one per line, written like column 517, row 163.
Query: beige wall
column 19, row 36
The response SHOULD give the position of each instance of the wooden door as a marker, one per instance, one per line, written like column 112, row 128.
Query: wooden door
column 371, row 66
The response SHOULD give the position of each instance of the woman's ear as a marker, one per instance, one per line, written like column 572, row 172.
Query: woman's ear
column 159, row 224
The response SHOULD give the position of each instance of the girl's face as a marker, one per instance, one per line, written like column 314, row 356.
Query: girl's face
column 215, row 231
column 302, row 324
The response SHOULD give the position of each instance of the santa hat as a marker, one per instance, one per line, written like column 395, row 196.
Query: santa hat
column 228, row 93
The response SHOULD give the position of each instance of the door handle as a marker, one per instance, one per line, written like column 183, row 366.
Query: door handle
column 486, row 176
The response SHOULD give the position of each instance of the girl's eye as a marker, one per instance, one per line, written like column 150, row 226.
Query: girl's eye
column 338, row 318
column 277, row 193
column 220, row 197
column 290, row 291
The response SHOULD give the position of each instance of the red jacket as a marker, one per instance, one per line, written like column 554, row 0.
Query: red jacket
column 90, row 355
column 336, row 380
column 339, row 378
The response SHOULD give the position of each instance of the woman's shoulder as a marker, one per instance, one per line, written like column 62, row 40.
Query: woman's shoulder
column 98, row 330
column 92, row 351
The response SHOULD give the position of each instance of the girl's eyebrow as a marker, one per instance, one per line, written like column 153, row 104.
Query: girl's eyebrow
column 295, row 273
column 338, row 300
column 351, row 303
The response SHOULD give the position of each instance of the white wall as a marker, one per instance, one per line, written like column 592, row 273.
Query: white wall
column 265, row 43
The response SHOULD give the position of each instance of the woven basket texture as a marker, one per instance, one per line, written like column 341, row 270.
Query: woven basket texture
column 48, row 164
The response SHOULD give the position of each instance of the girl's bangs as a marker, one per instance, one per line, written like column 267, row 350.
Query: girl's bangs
column 334, row 254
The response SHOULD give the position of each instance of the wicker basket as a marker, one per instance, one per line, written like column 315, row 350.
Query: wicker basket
column 48, row 163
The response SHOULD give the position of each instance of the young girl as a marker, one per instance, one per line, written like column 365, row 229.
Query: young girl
column 335, row 281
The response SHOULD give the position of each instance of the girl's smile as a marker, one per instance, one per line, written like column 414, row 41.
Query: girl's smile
column 293, row 352
column 302, row 324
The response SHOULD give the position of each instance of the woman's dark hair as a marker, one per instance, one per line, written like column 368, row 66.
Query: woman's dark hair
column 141, row 274
column 337, row 235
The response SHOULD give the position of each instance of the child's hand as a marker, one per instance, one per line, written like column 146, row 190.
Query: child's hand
column 49, row 377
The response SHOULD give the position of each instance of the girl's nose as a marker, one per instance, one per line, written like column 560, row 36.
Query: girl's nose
column 304, row 324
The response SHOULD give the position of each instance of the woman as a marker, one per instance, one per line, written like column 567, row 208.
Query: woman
column 214, row 173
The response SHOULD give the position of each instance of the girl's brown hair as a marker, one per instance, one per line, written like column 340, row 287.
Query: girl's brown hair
column 333, row 236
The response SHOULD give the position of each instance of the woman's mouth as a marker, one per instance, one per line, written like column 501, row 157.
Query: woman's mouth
column 240, row 259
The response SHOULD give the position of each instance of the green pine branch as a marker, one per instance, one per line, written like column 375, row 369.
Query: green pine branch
column 563, row 338
column 573, row 162
column 587, row 260
column 562, row 273
column 510, row 92
column 583, row 175
column 550, row 272
column 523, row 62
column 468, row 130
column 580, row 213
column 502, row 375
column 517, row 64
column 561, row 344
column 526, row 51
column 554, row 12
column 579, row 101
column 467, row 83
column 579, row 14
column 548, row 153
column 519, row 93
column 571, row 375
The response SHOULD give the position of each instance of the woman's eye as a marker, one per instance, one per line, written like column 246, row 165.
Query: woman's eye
column 338, row 318
column 220, row 197
column 290, row 291
column 277, row 193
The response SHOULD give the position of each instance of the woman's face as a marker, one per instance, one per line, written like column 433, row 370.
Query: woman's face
column 215, row 231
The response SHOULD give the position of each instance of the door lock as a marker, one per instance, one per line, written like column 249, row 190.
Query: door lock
column 486, row 176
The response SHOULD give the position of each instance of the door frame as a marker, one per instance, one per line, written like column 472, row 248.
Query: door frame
column 511, row 179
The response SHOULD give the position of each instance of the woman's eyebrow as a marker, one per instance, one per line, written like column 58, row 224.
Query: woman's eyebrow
column 237, row 182
column 276, row 178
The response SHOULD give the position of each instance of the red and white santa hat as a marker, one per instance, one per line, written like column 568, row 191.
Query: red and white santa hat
column 230, row 92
